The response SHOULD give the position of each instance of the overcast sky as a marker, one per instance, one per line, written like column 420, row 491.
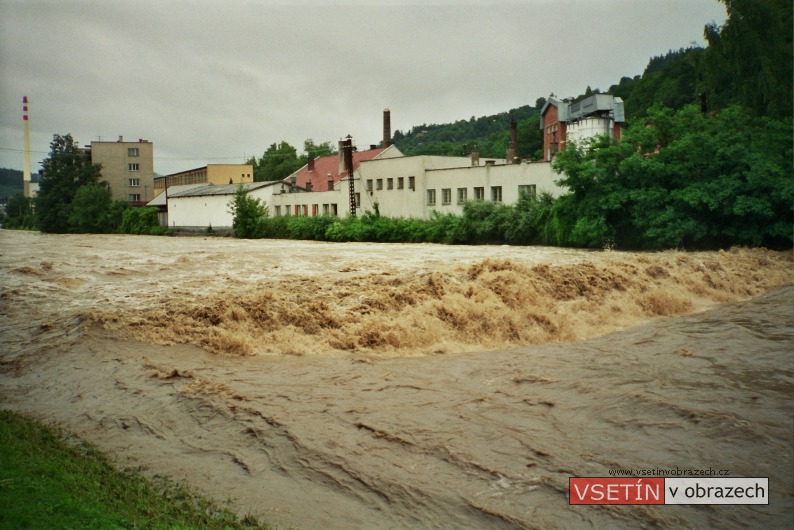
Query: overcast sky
column 216, row 81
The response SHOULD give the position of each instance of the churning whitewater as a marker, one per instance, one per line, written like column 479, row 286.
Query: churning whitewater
column 388, row 386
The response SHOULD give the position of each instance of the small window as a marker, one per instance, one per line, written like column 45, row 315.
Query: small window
column 326, row 211
column 496, row 193
column 278, row 210
column 411, row 183
column 330, row 185
column 287, row 209
column 389, row 184
column 527, row 189
column 369, row 184
column 134, row 167
column 305, row 210
column 400, row 183
column 134, row 183
column 135, row 197
column 431, row 197
column 479, row 194
column 132, row 151
column 334, row 211
column 446, row 196
column 462, row 195
column 358, row 200
column 379, row 184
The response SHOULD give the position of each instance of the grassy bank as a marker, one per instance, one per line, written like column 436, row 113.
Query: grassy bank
column 51, row 480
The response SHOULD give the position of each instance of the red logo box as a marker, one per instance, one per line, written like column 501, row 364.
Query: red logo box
column 614, row 490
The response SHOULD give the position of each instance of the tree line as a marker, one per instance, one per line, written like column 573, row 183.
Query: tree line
column 73, row 199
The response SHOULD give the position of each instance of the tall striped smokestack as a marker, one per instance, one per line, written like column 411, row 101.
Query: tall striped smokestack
column 26, row 162
column 386, row 128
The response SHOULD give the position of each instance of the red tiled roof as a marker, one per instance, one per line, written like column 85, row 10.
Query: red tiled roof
column 326, row 165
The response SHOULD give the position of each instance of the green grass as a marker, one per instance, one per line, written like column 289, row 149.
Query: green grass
column 51, row 480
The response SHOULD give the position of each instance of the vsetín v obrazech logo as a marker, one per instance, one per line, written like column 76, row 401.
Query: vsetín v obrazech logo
column 663, row 490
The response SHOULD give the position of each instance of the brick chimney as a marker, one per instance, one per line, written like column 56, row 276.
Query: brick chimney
column 311, row 163
column 386, row 128
column 475, row 156
column 512, row 146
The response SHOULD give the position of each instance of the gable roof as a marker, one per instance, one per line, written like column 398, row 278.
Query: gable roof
column 327, row 168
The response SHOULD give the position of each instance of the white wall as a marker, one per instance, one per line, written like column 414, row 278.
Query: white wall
column 587, row 128
column 430, row 172
column 209, row 210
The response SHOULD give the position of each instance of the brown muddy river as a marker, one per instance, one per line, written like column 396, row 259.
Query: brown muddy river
column 408, row 386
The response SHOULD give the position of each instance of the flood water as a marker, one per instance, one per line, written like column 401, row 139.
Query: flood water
column 395, row 386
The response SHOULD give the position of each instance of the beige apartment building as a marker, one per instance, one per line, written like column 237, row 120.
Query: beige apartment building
column 128, row 167
column 218, row 174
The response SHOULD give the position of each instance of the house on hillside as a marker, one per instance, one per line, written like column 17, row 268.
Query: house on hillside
column 573, row 121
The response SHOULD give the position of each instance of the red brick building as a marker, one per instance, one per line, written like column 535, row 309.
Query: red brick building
column 564, row 121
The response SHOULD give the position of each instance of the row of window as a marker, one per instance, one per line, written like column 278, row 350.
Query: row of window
column 303, row 210
column 479, row 194
column 390, row 183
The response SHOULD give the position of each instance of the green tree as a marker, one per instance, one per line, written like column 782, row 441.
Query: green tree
column 90, row 209
column 141, row 221
column 19, row 212
column 248, row 214
column 65, row 170
column 310, row 149
column 749, row 58
column 277, row 163
column 682, row 179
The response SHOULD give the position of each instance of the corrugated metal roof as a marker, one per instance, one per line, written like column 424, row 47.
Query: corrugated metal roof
column 204, row 189
column 160, row 199
column 214, row 189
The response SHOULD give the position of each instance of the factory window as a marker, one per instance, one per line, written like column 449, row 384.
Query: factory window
column 411, row 183
column 379, row 184
column 134, row 167
column 369, row 184
column 479, row 194
column 496, row 193
column 135, row 197
column 135, row 182
column 446, row 196
column 389, row 184
column 527, row 189
column 132, row 151
column 462, row 195
column 431, row 197
column 400, row 183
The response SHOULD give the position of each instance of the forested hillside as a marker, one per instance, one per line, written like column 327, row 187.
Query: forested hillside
column 489, row 133
column 748, row 62
column 10, row 183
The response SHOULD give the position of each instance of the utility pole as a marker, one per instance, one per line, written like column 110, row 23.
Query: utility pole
column 347, row 146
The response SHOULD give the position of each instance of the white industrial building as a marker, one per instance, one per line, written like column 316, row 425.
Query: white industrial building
column 403, row 186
